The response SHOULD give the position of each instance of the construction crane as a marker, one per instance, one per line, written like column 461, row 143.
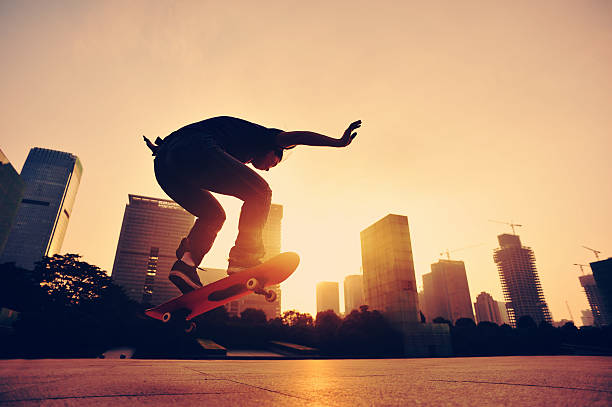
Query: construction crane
column 511, row 224
column 448, row 252
column 569, row 310
column 581, row 267
column 595, row 252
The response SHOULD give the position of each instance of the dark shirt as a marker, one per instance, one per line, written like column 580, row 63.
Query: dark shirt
column 239, row 138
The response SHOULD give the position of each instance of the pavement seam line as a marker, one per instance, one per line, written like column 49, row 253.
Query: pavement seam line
column 113, row 395
column 522, row 384
column 257, row 387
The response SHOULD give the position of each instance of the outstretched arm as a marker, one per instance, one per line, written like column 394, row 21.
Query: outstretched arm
column 289, row 139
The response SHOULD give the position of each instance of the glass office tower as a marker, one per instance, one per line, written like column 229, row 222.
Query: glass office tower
column 11, row 192
column 446, row 291
column 150, row 233
column 51, row 181
column 602, row 274
column 328, row 297
column 353, row 293
column 487, row 309
column 389, row 286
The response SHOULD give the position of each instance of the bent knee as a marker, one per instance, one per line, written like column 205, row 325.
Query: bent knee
column 260, row 192
column 219, row 218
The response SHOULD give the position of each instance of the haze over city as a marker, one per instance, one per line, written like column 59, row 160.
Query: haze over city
column 470, row 111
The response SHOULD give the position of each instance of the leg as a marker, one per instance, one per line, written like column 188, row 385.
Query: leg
column 200, row 203
column 210, row 218
column 219, row 172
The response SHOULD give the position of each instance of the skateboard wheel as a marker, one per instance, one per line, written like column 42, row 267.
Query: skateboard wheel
column 191, row 326
column 270, row 296
column 252, row 284
column 166, row 317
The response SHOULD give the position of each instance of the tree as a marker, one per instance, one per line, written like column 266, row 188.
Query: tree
column 253, row 316
column 526, row 322
column 296, row 327
column 70, row 281
column 19, row 290
column 464, row 336
column 327, row 320
column 326, row 328
column 80, row 313
column 367, row 333
column 295, row 318
column 440, row 320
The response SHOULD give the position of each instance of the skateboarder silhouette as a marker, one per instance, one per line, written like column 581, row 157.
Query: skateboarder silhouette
column 211, row 156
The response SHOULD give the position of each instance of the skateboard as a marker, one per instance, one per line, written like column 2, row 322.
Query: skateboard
column 252, row 280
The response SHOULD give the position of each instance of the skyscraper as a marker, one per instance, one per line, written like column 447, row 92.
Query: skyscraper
column 150, row 233
column 272, row 246
column 353, row 293
column 389, row 286
column 51, row 181
column 602, row 273
column 487, row 309
column 446, row 290
column 328, row 297
column 11, row 191
column 388, row 270
column 520, row 281
column 503, row 312
column 595, row 302
column 586, row 316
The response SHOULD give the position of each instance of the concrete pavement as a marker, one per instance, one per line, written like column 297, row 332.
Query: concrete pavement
column 509, row 381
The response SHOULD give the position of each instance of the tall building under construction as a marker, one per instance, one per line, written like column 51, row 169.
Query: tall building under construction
column 520, row 282
column 150, row 233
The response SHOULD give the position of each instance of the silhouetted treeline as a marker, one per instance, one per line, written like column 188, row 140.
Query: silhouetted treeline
column 528, row 338
column 69, row 308
column 362, row 333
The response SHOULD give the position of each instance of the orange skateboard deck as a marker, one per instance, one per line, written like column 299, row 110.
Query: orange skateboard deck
column 253, row 280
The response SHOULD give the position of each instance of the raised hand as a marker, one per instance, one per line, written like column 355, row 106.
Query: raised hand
column 348, row 135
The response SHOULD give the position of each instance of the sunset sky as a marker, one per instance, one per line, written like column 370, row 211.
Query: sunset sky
column 471, row 111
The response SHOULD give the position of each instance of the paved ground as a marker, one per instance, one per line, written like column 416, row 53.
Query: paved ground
column 511, row 381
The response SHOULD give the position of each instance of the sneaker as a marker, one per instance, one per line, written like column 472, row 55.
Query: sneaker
column 184, row 276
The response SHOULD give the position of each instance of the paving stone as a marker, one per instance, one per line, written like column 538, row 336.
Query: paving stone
column 500, row 381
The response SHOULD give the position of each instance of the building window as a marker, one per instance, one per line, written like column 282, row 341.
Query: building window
column 147, row 294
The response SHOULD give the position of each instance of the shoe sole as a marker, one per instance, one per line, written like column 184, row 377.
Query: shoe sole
column 183, row 282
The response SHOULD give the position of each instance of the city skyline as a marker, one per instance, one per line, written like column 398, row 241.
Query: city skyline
column 466, row 112
column 272, row 238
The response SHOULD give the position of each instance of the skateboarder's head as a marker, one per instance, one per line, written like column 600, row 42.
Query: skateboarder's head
column 267, row 160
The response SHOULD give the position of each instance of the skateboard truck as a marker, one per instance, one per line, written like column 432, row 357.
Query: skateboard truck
column 254, row 285
column 179, row 315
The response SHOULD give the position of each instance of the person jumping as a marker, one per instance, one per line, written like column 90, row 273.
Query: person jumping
column 211, row 156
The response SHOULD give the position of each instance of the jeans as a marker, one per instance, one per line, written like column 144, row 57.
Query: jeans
column 188, row 168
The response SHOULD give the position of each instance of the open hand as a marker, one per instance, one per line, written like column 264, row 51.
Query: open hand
column 348, row 135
